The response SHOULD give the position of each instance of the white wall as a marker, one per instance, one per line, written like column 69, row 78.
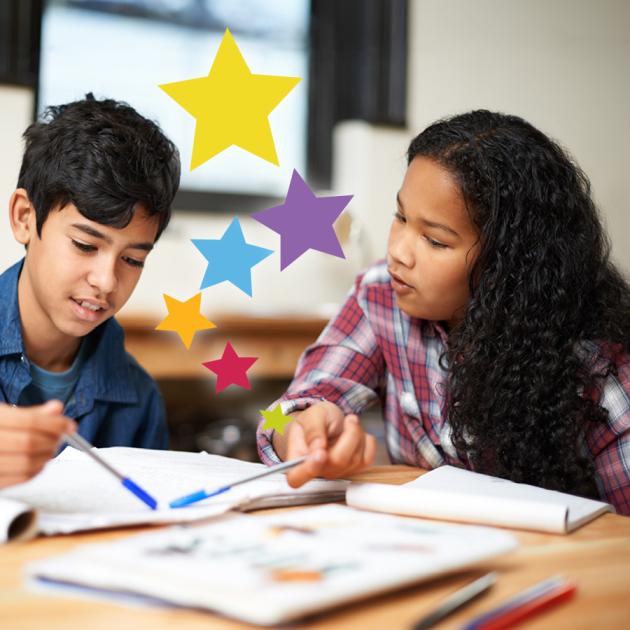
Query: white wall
column 562, row 64
column 16, row 106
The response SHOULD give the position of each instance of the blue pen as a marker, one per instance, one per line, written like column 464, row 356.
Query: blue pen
column 74, row 439
column 80, row 443
column 200, row 495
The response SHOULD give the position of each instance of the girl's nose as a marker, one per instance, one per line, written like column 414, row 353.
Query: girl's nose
column 400, row 248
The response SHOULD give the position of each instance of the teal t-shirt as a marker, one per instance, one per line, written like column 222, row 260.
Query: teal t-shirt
column 47, row 385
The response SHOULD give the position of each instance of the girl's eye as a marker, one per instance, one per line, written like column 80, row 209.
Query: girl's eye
column 399, row 217
column 133, row 262
column 435, row 244
column 84, row 247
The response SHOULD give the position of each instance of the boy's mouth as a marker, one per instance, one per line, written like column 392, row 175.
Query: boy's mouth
column 88, row 310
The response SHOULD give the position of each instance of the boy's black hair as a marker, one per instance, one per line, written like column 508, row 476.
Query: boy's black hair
column 102, row 156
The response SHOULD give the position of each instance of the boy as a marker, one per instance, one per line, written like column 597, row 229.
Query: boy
column 94, row 194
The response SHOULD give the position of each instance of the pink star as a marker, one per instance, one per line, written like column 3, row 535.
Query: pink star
column 231, row 369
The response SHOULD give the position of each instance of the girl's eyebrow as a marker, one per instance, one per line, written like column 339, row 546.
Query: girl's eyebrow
column 432, row 224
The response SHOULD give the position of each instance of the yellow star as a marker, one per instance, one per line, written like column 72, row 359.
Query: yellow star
column 231, row 105
column 184, row 318
column 275, row 419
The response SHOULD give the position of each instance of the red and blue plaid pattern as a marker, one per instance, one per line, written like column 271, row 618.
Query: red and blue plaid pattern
column 372, row 352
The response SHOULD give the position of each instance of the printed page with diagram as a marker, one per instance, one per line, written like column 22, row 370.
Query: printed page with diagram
column 274, row 568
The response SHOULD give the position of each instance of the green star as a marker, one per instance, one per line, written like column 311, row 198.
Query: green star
column 275, row 419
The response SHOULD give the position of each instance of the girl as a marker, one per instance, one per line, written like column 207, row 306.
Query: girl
column 495, row 335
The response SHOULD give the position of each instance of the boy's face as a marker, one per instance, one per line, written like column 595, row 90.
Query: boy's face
column 432, row 244
column 80, row 273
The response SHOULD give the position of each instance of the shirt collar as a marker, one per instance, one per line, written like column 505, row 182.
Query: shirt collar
column 434, row 329
column 11, row 341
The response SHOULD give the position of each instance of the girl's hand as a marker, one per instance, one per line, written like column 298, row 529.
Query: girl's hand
column 336, row 444
column 29, row 437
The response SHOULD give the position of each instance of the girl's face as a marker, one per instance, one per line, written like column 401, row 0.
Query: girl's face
column 432, row 245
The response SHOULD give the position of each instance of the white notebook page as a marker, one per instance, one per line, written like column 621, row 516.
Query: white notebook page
column 73, row 492
column 461, row 495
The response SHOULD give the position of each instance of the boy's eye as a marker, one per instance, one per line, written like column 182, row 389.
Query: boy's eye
column 84, row 247
column 133, row 262
column 399, row 217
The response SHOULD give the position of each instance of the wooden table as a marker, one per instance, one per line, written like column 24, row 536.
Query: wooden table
column 597, row 557
column 278, row 343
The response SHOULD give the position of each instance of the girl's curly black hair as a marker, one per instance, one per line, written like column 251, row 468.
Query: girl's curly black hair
column 548, row 309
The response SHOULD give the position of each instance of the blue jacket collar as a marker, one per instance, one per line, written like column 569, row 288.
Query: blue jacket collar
column 10, row 326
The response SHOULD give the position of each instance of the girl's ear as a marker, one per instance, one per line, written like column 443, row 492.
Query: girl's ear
column 22, row 217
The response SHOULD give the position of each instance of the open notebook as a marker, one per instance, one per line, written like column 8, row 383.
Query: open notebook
column 72, row 493
column 274, row 568
column 461, row 495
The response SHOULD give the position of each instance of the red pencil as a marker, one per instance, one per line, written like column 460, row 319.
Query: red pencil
column 511, row 613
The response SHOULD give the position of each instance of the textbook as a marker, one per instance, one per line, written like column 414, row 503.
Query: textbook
column 73, row 494
column 274, row 568
column 456, row 494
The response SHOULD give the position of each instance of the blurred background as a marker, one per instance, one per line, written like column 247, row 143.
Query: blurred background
column 375, row 73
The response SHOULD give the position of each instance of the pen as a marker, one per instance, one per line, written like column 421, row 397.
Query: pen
column 530, row 602
column 203, row 494
column 456, row 600
column 80, row 443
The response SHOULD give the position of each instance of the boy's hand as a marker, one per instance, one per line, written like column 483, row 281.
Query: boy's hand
column 336, row 444
column 29, row 437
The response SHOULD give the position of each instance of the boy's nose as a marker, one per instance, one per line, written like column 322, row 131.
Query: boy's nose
column 103, row 277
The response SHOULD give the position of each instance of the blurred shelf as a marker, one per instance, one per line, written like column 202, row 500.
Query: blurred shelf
column 278, row 343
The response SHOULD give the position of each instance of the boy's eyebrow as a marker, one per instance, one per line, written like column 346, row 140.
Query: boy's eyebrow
column 96, row 234
column 433, row 224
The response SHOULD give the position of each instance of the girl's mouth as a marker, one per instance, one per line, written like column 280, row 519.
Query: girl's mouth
column 398, row 285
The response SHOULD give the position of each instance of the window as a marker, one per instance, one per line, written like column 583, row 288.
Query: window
column 351, row 56
column 125, row 49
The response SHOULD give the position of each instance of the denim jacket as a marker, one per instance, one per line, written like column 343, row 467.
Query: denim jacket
column 115, row 402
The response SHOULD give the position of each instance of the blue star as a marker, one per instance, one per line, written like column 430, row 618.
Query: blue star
column 230, row 258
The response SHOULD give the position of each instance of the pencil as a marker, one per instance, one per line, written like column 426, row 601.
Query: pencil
column 456, row 600
column 524, row 605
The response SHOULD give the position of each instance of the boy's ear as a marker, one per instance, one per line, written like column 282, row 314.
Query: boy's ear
column 22, row 217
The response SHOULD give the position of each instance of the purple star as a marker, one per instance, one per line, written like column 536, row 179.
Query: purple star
column 304, row 221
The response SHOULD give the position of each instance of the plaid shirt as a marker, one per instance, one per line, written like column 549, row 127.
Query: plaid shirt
column 373, row 352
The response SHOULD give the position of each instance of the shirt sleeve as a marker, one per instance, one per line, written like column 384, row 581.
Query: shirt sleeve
column 344, row 366
column 610, row 443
